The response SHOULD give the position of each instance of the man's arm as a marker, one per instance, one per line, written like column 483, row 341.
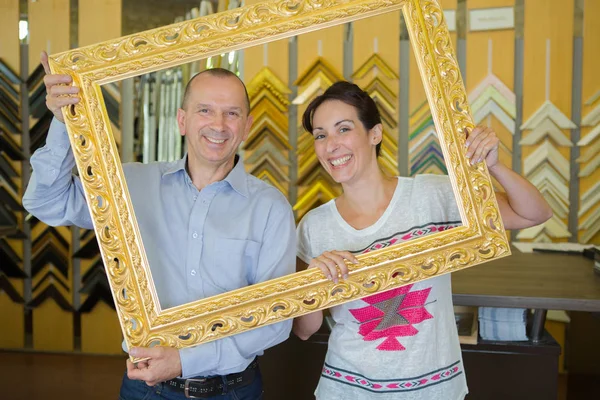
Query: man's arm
column 233, row 354
column 54, row 195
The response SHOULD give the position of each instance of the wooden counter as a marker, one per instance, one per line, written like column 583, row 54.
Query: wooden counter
column 530, row 280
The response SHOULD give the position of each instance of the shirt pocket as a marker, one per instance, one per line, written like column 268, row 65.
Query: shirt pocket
column 232, row 264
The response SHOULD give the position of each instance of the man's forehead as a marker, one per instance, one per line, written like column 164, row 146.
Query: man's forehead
column 218, row 88
column 206, row 80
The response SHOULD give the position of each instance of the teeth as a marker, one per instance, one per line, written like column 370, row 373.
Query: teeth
column 340, row 161
column 215, row 141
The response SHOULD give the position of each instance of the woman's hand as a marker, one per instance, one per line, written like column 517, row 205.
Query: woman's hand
column 482, row 144
column 522, row 205
column 332, row 264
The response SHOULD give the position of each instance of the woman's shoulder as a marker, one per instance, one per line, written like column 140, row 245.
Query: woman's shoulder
column 318, row 215
column 432, row 179
column 431, row 183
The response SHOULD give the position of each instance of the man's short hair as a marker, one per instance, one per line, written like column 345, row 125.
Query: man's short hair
column 218, row 72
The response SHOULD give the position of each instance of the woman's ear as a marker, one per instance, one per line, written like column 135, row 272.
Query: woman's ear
column 376, row 134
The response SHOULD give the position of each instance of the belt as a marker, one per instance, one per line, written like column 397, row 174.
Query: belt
column 198, row 388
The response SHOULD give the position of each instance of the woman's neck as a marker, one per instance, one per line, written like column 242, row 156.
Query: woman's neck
column 365, row 200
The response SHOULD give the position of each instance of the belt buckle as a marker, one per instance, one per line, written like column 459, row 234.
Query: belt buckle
column 186, row 389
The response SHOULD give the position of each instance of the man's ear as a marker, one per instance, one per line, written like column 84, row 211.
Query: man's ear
column 181, row 121
column 249, row 122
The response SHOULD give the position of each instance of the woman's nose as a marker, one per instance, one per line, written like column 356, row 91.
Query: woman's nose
column 332, row 143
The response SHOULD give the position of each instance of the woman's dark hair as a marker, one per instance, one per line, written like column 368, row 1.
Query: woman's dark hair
column 352, row 95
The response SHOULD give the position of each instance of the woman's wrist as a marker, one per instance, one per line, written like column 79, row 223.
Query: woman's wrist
column 496, row 168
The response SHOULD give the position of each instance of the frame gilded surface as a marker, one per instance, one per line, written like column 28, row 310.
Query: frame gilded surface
column 481, row 237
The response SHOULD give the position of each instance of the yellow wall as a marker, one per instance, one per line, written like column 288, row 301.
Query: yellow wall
column 9, row 33
column 99, row 13
column 49, row 24
column 12, row 335
column 503, row 50
column 100, row 331
column 52, row 328
column 418, row 108
column 386, row 29
column 548, row 20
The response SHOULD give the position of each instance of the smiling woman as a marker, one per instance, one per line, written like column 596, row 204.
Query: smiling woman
column 341, row 120
column 374, row 210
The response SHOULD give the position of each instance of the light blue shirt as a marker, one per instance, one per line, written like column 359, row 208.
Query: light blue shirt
column 199, row 243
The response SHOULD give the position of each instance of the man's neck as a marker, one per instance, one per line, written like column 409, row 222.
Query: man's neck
column 203, row 174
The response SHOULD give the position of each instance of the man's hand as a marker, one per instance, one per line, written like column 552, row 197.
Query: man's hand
column 59, row 92
column 163, row 364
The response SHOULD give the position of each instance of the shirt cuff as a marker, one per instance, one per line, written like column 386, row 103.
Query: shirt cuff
column 198, row 360
column 58, row 138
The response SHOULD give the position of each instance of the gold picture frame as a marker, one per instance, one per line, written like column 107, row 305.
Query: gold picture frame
column 481, row 237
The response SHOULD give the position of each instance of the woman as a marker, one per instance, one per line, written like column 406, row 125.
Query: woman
column 403, row 343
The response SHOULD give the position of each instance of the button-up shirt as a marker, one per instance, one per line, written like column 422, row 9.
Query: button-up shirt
column 199, row 243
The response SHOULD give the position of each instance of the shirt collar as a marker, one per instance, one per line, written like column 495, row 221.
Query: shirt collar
column 175, row 166
column 236, row 178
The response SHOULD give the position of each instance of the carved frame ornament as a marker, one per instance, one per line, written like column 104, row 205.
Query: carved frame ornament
column 481, row 238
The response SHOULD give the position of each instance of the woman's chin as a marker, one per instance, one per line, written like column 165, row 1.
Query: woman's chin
column 341, row 177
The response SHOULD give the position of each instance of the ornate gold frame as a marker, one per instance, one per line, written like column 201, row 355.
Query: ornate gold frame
column 481, row 238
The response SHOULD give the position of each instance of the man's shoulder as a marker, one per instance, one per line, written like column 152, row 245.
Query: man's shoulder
column 155, row 167
column 265, row 192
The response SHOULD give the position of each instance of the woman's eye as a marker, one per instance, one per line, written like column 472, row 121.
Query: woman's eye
column 319, row 136
column 344, row 129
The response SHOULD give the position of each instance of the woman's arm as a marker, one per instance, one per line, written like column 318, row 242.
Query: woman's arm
column 306, row 325
column 522, row 205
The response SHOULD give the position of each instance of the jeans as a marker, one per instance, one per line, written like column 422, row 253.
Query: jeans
column 138, row 390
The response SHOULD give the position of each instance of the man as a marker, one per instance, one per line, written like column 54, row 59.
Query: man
column 207, row 227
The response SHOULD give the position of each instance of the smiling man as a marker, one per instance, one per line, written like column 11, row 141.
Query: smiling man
column 207, row 226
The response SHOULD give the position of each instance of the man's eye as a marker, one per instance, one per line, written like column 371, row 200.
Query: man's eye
column 204, row 110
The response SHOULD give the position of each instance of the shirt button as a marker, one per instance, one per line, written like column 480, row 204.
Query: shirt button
column 195, row 197
column 195, row 235
column 193, row 273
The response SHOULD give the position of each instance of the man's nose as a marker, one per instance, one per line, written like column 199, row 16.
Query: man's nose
column 218, row 122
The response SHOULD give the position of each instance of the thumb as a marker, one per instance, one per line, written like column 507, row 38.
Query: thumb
column 144, row 352
column 44, row 60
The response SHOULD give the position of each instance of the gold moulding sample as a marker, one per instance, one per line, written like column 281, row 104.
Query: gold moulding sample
column 480, row 239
